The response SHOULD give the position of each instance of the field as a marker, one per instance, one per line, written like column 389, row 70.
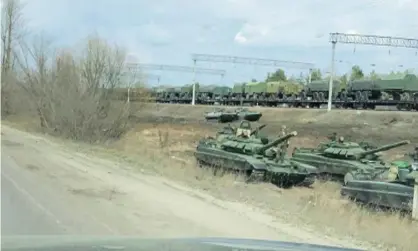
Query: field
column 163, row 138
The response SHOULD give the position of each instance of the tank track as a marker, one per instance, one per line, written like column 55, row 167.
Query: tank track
column 308, row 181
column 256, row 176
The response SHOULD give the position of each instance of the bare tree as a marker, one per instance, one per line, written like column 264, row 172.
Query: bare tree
column 11, row 32
column 72, row 91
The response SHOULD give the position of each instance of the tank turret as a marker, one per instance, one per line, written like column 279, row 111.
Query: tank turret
column 382, row 148
column 275, row 142
column 257, row 129
column 341, row 158
column 249, row 136
column 250, row 156
column 249, row 146
column 352, row 150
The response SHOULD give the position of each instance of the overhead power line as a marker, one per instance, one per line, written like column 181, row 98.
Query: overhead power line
column 248, row 61
column 373, row 40
column 133, row 73
column 152, row 76
column 251, row 61
column 179, row 68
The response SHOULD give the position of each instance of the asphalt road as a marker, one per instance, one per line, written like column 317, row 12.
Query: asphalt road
column 21, row 213
column 32, row 200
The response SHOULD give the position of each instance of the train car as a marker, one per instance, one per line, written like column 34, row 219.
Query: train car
column 268, row 91
column 363, row 94
column 368, row 91
column 318, row 90
column 221, row 92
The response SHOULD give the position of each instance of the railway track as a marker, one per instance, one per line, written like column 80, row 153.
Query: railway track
column 378, row 105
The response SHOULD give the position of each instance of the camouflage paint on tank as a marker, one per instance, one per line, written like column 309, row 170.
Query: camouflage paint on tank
column 246, row 114
column 340, row 158
column 241, row 152
column 393, row 187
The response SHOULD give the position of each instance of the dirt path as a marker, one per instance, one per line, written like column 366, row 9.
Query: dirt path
column 118, row 201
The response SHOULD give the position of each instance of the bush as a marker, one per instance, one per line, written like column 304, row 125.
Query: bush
column 71, row 91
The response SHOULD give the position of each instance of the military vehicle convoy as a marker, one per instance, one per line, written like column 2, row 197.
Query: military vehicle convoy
column 364, row 94
column 242, row 150
column 337, row 158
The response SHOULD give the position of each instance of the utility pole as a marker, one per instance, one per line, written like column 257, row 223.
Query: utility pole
column 375, row 40
column 331, row 79
column 194, row 82
column 134, row 78
column 310, row 75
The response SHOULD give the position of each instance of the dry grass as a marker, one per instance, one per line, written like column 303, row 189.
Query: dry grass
column 354, row 117
column 321, row 209
column 324, row 207
column 377, row 126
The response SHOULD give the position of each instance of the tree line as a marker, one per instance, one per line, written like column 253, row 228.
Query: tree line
column 356, row 73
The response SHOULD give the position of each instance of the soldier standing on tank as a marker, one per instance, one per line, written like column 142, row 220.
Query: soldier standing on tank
column 283, row 130
column 333, row 137
column 414, row 154
column 282, row 150
column 284, row 133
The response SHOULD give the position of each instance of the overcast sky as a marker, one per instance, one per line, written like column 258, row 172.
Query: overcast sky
column 168, row 31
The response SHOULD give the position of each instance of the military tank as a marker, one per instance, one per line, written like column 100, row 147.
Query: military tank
column 221, row 115
column 333, row 138
column 245, row 114
column 252, row 137
column 255, row 157
column 338, row 158
column 391, row 188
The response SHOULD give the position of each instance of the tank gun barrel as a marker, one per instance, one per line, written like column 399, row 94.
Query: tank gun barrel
column 385, row 147
column 258, row 129
column 276, row 142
